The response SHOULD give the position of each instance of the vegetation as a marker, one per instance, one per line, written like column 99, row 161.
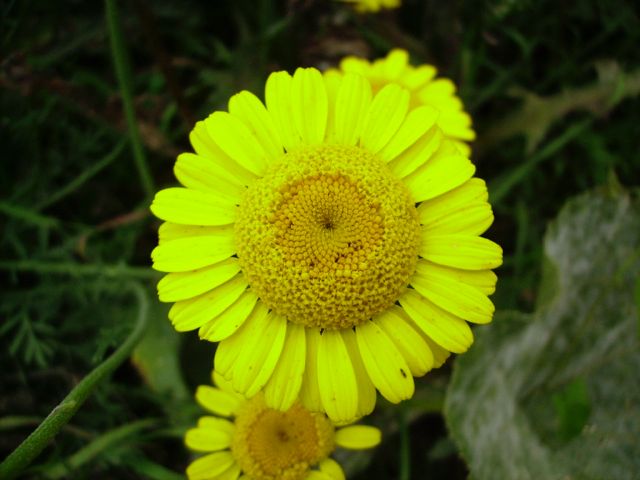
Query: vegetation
column 97, row 101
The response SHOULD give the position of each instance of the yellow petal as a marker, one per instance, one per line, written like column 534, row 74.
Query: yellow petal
column 440, row 90
column 193, row 313
column 231, row 473
column 229, row 348
column 317, row 475
column 217, row 401
column 207, row 439
column 209, row 466
column 418, row 76
column 284, row 385
column 473, row 220
column 230, row 320
column 440, row 354
column 216, row 423
column 443, row 172
column 354, row 64
column 456, row 124
column 463, row 148
column 248, row 108
column 352, row 104
column 279, row 104
column 385, row 365
column 358, row 437
column 310, row 390
column 366, row 389
column 483, row 280
column 386, row 113
column 236, row 140
column 461, row 251
column 336, row 378
column 223, row 384
column 191, row 253
column 441, row 326
column 473, row 192
column 205, row 147
column 172, row 231
column 200, row 173
column 193, row 207
column 332, row 80
column 332, row 468
column 182, row 285
column 416, row 125
column 396, row 62
column 309, row 105
column 443, row 287
column 260, row 352
column 417, row 154
column 415, row 350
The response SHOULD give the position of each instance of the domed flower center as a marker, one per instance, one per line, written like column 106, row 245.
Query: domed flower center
column 269, row 444
column 328, row 237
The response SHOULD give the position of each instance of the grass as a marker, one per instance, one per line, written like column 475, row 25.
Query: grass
column 76, row 178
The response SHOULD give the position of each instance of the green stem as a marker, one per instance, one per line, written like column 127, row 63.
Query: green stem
column 70, row 268
column 500, row 188
column 28, row 216
column 405, row 449
column 77, row 182
column 122, row 67
column 31, row 447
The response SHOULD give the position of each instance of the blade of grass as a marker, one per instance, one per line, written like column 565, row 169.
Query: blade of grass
column 113, row 438
column 31, row 447
column 123, row 72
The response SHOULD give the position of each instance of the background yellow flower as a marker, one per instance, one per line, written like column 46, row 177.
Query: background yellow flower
column 424, row 87
column 365, row 6
column 246, row 437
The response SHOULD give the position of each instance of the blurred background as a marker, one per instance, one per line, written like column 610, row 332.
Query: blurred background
column 553, row 89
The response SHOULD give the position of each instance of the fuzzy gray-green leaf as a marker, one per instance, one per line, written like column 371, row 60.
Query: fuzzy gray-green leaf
column 555, row 394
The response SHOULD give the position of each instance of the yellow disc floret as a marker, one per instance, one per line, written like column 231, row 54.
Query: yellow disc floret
column 328, row 237
column 270, row 445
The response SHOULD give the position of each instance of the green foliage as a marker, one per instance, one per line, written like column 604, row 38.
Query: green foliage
column 552, row 394
column 551, row 86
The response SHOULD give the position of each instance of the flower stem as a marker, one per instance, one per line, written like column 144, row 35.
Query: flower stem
column 31, row 447
column 123, row 72
column 78, row 269
column 405, row 449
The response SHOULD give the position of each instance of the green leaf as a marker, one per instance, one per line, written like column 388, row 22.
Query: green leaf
column 572, row 409
column 555, row 394
column 157, row 359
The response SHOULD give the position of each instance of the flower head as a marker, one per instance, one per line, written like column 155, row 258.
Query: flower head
column 424, row 87
column 267, row 444
column 365, row 6
column 329, row 241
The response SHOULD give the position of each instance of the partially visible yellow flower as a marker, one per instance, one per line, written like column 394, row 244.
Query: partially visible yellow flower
column 364, row 6
column 261, row 443
column 425, row 89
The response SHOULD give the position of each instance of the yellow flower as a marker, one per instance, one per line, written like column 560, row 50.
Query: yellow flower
column 425, row 89
column 330, row 243
column 364, row 6
column 266, row 444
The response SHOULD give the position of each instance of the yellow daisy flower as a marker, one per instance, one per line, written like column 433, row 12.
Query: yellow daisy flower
column 329, row 241
column 425, row 89
column 364, row 6
column 261, row 443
